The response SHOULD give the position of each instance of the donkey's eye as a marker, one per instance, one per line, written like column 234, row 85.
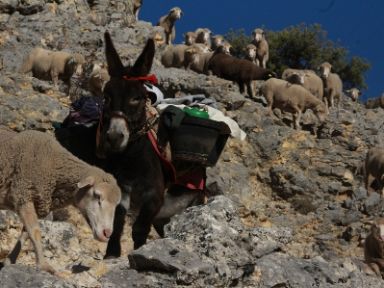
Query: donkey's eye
column 134, row 101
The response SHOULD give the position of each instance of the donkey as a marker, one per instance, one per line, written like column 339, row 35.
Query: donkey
column 125, row 149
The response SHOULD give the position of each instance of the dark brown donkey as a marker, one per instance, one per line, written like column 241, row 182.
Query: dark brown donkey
column 124, row 141
column 127, row 152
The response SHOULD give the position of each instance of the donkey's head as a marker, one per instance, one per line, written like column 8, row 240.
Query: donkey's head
column 125, row 98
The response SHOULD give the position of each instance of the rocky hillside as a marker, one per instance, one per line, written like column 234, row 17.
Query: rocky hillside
column 289, row 206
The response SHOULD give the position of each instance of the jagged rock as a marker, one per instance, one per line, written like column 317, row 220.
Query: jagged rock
column 19, row 276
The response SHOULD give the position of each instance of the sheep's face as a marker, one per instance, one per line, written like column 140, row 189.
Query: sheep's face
column 377, row 229
column 217, row 41
column 226, row 48
column 354, row 93
column 321, row 112
column 190, row 38
column 258, row 35
column 97, row 202
column 251, row 51
column 205, row 34
column 325, row 70
column 176, row 13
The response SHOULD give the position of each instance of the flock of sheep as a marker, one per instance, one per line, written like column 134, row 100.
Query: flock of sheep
column 33, row 182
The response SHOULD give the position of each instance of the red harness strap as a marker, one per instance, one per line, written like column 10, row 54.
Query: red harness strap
column 193, row 179
column 149, row 78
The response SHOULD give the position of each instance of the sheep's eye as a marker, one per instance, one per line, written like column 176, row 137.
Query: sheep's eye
column 96, row 195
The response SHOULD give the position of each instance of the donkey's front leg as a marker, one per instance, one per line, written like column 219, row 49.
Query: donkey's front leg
column 142, row 225
column 114, row 246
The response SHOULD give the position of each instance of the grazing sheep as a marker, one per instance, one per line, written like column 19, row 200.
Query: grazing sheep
column 203, row 36
column 97, row 79
column 292, row 98
column 168, row 23
column 38, row 175
column 189, row 38
column 136, row 8
column 306, row 78
column 50, row 65
column 250, row 53
column 354, row 93
column 240, row 71
column 333, row 87
column 374, row 166
column 374, row 247
column 262, row 46
column 217, row 41
column 174, row 56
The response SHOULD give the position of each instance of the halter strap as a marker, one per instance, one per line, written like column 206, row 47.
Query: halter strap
column 149, row 78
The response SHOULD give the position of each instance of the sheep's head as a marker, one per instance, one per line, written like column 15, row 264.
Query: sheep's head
column 217, row 40
column 354, row 93
column 203, row 34
column 258, row 34
column 377, row 229
column 189, row 38
column 97, row 201
column 250, row 51
column 175, row 13
column 75, row 64
column 325, row 70
column 321, row 112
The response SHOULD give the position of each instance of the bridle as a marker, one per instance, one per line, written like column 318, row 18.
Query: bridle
column 120, row 114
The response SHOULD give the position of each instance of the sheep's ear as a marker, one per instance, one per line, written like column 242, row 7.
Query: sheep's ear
column 143, row 64
column 115, row 66
column 86, row 182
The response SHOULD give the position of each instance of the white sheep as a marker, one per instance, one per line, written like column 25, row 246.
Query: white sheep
column 136, row 8
column 216, row 41
column 250, row 53
column 374, row 166
column 292, row 98
column 38, row 176
column 262, row 55
column 97, row 79
column 203, row 36
column 307, row 78
column 174, row 56
column 50, row 65
column 354, row 93
column 168, row 23
column 333, row 86
column 189, row 38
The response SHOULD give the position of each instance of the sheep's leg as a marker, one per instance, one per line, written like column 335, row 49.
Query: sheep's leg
column 29, row 218
column 257, row 62
column 142, row 225
column 54, row 78
column 114, row 246
column 368, row 182
column 296, row 119
column 12, row 256
column 264, row 64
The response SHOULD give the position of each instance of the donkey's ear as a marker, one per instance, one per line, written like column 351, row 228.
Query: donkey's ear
column 143, row 64
column 115, row 67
